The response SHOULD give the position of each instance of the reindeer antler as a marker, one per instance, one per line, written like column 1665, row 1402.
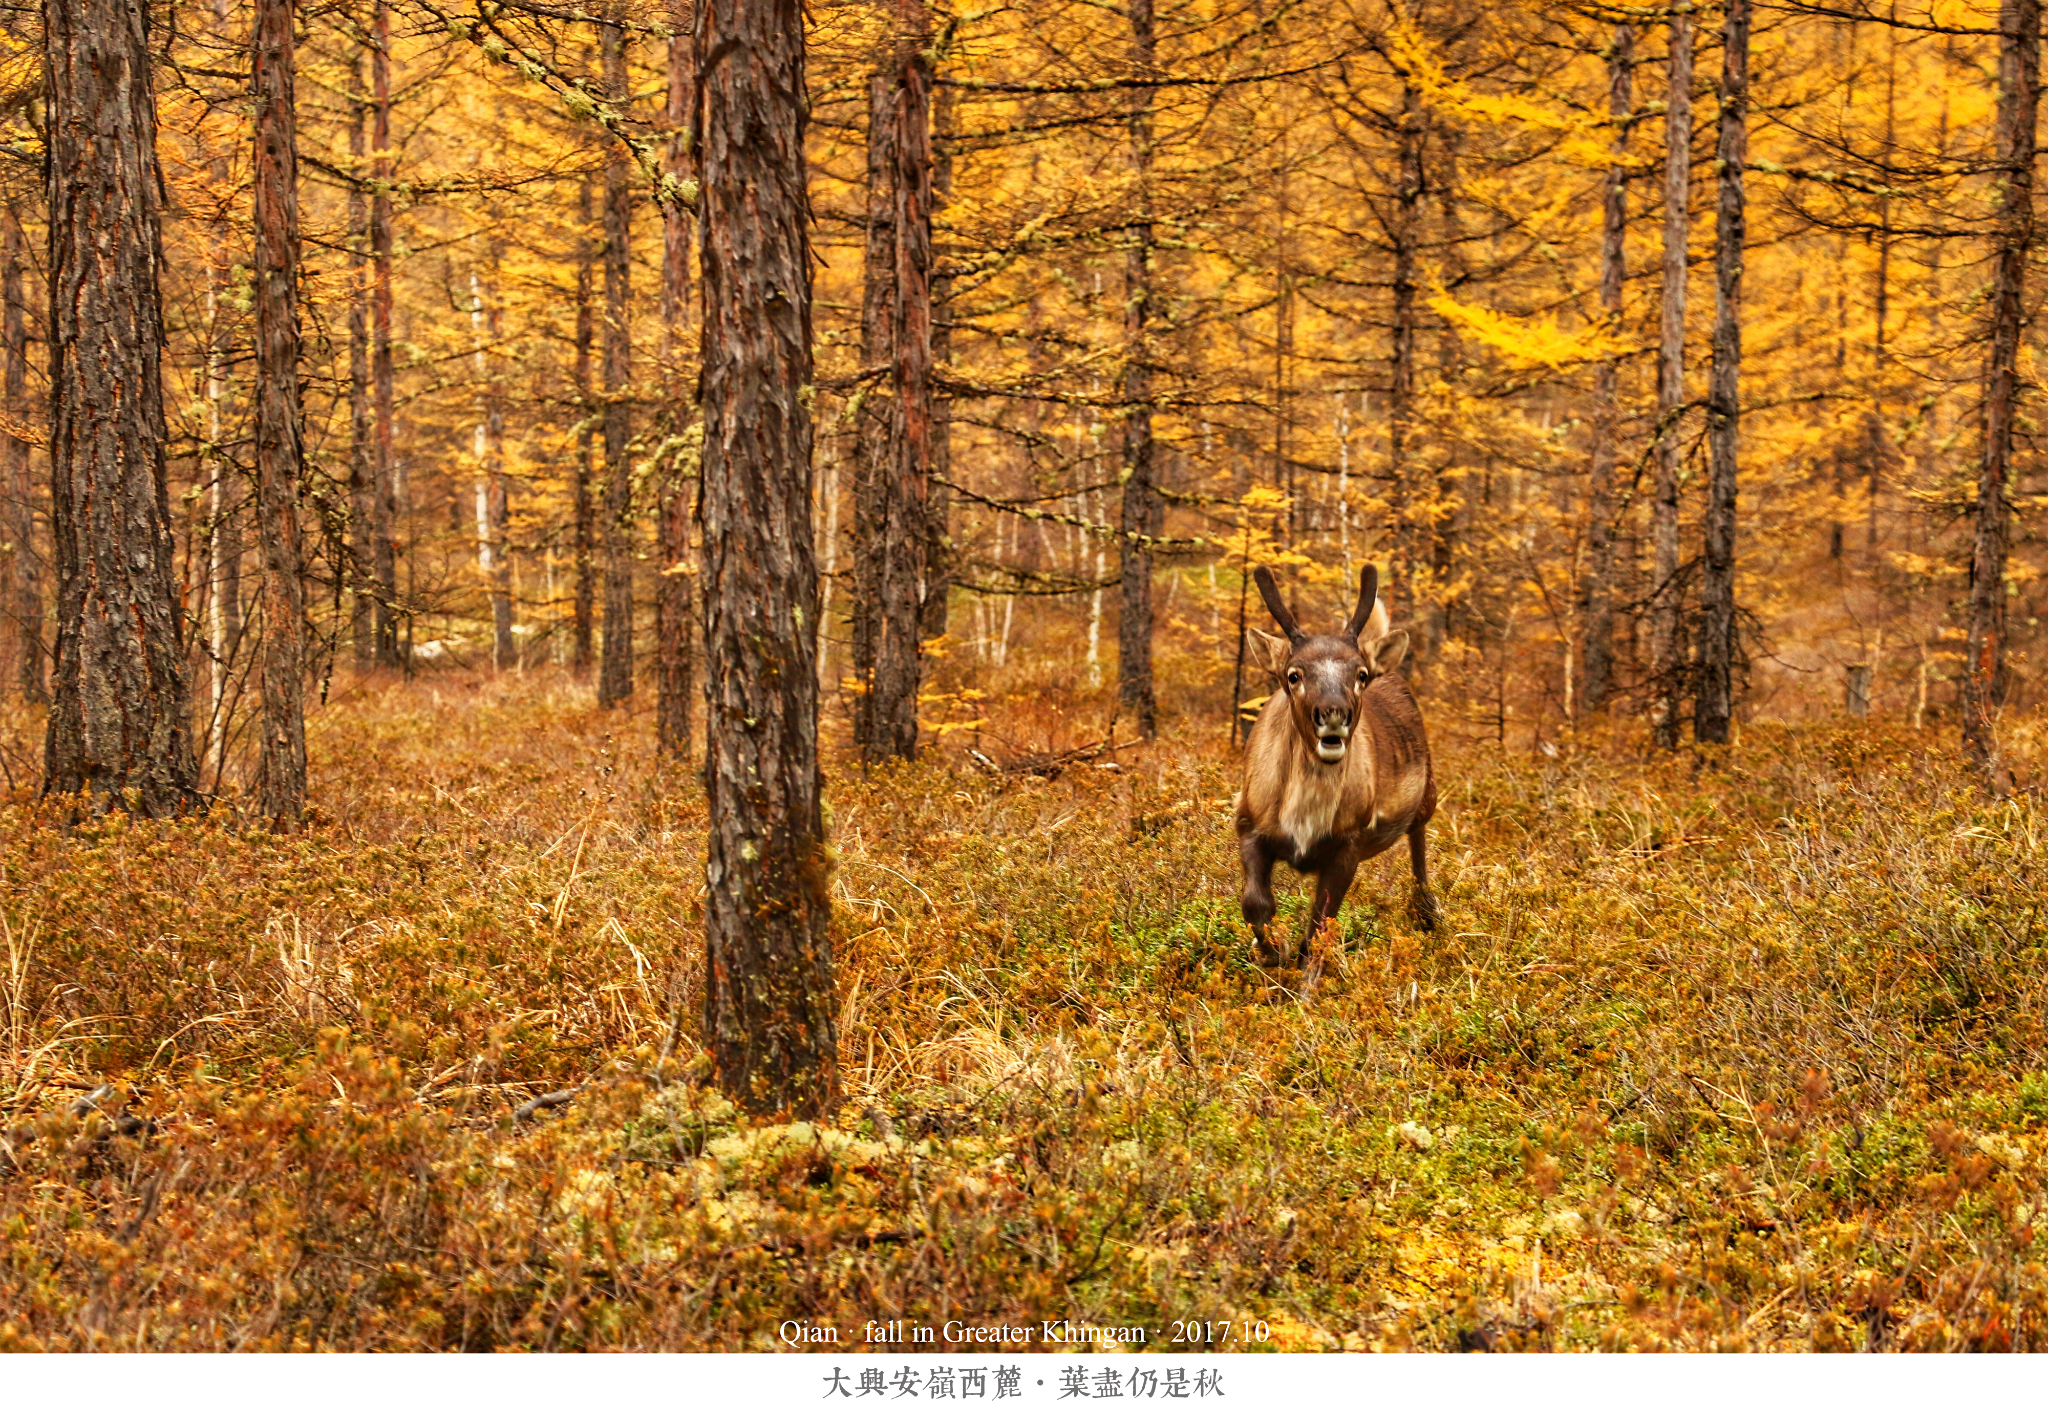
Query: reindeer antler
column 1270, row 591
column 1368, row 593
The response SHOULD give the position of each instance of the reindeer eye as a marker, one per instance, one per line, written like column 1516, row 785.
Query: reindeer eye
column 1294, row 678
column 1364, row 676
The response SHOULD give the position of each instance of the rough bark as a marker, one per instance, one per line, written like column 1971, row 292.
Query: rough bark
column 1714, row 694
column 383, row 463
column 938, row 507
column 118, row 730
column 872, row 422
column 1409, row 553
column 1664, row 657
column 768, row 999
column 615, row 670
column 1285, row 475
column 676, row 592
column 584, row 617
column 362, row 479
column 1144, row 513
column 25, row 593
column 281, row 772
column 1879, row 445
column 892, row 712
column 1597, row 607
column 2019, row 66
column 1449, row 519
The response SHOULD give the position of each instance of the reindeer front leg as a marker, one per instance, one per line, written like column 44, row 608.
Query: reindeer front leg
column 1257, row 900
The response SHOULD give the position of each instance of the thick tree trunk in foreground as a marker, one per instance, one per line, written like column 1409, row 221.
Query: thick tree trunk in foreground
column 1597, row 610
column 615, row 671
column 383, row 463
column 674, row 611
column 1664, row 650
column 1143, row 514
column 1714, row 698
column 584, row 618
column 899, row 631
column 25, row 595
column 938, row 505
column 281, row 775
column 118, row 730
column 872, row 423
column 768, row 1008
column 2019, row 66
column 362, row 480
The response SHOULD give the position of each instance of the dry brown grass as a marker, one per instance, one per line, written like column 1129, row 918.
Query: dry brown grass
column 1736, row 1051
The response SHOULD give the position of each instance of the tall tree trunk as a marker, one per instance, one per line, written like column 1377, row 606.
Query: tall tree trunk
column 1410, row 554
column 892, row 728
column 1846, row 33
column 362, row 479
column 768, row 998
column 673, row 610
column 2019, row 72
column 118, row 730
column 494, row 506
column 1449, row 519
column 1598, row 594
column 1284, row 472
column 1665, row 673
column 1714, row 699
column 498, row 518
column 938, row 548
column 223, row 632
column 1878, row 453
column 25, row 596
column 872, row 422
column 584, row 617
column 281, row 776
column 615, row 671
column 383, row 462
column 1144, row 513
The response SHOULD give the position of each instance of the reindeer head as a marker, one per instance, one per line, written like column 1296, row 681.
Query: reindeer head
column 1323, row 677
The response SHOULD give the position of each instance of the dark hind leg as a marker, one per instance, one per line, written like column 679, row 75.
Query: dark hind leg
column 1257, row 900
column 1331, row 887
column 1423, row 904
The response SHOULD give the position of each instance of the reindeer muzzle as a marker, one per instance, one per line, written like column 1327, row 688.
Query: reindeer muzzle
column 1333, row 736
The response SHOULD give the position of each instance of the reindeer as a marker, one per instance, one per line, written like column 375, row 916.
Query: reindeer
column 1336, row 767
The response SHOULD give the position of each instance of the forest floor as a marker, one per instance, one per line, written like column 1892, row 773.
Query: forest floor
column 1741, row 1050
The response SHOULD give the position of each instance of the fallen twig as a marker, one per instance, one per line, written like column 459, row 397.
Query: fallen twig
column 545, row 1102
column 1048, row 765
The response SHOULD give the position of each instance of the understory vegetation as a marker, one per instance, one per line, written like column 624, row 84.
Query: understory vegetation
column 1741, row 1048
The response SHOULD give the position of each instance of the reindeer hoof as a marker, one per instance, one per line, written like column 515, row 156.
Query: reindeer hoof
column 1427, row 915
column 1312, row 965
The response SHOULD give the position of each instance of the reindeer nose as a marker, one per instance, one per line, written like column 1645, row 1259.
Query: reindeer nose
column 1333, row 733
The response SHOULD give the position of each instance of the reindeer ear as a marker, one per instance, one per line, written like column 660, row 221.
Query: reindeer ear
column 1270, row 652
column 1376, row 626
column 1385, row 654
